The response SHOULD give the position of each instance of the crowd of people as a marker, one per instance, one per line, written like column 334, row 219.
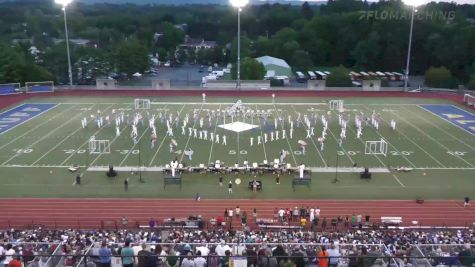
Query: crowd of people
column 199, row 248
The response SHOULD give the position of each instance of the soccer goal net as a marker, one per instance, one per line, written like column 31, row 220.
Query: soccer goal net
column 469, row 100
column 9, row 88
column 39, row 87
column 99, row 146
column 376, row 147
column 142, row 103
column 336, row 105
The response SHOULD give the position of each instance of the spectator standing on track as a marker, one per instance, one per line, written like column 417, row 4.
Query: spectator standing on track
column 334, row 255
column 127, row 255
column 188, row 261
column 238, row 211
column 466, row 202
column 295, row 214
column 322, row 256
column 254, row 213
column 142, row 256
column 104, row 255
column 199, row 261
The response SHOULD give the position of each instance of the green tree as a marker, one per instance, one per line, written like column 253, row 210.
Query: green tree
column 251, row 69
column 438, row 77
column 339, row 77
column 131, row 57
column 301, row 59
column 367, row 51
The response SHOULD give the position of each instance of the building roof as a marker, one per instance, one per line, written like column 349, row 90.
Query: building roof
column 268, row 60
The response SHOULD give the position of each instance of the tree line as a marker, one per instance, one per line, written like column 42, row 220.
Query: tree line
column 358, row 35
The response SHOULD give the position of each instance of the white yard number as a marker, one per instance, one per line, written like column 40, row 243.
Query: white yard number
column 72, row 151
column 403, row 153
column 23, row 151
column 456, row 153
column 126, row 151
column 348, row 152
column 233, row 152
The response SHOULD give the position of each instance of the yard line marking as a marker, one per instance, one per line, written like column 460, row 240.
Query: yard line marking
column 288, row 143
column 263, row 145
column 58, row 144
column 422, row 149
column 131, row 149
column 440, row 117
column 36, row 127
column 421, row 131
column 399, row 181
column 316, row 148
column 214, row 132
column 189, row 137
column 164, row 138
column 87, row 141
column 410, row 162
column 43, row 137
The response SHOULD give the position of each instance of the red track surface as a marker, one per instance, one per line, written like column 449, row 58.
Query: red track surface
column 88, row 213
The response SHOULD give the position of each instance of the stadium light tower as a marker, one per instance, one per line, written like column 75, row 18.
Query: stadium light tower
column 414, row 4
column 65, row 3
column 239, row 4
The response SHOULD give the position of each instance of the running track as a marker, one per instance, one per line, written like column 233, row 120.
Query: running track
column 88, row 213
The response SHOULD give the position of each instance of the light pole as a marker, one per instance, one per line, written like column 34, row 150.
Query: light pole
column 65, row 3
column 413, row 4
column 239, row 4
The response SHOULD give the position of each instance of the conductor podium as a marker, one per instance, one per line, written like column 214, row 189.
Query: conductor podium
column 303, row 178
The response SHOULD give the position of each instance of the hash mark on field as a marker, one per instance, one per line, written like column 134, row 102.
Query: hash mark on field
column 87, row 141
column 288, row 143
column 42, row 138
column 435, row 140
column 58, row 144
column 163, row 139
column 313, row 142
column 189, row 137
column 214, row 132
column 36, row 127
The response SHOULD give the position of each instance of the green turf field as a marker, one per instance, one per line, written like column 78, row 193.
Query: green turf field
column 35, row 155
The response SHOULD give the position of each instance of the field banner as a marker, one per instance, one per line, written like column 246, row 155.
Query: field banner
column 21, row 114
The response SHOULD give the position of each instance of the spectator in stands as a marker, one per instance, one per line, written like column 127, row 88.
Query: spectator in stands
column 151, row 258
column 188, row 260
column 334, row 255
column 279, row 253
column 28, row 254
column 251, row 256
column 104, row 255
column 152, row 223
column 127, row 255
column 298, row 257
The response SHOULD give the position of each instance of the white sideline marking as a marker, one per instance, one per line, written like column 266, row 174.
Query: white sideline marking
column 399, row 181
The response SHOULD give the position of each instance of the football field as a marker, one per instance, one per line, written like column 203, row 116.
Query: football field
column 433, row 138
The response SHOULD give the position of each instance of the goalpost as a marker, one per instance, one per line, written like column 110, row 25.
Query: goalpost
column 336, row 105
column 99, row 146
column 142, row 103
column 10, row 88
column 469, row 100
column 39, row 87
